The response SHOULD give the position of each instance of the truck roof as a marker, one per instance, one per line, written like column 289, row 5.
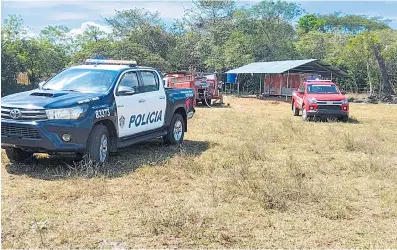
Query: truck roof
column 109, row 67
column 319, row 82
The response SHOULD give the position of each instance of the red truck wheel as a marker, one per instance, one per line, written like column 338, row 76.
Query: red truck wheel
column 295, row 110
column 304, row 114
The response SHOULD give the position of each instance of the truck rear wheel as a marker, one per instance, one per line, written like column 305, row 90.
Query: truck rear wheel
column 97, row 145
column 175, row 131
column 18, row 155
column 344, row 119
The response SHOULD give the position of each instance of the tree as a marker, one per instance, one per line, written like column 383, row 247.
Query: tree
column 13, row 28
column 190, row 51
column 353, row 24
column 310, row 22
column 274, row 33
column 56, row 35
column 125, row 21
column 213, row 36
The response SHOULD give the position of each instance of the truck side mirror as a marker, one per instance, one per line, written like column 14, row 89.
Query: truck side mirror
column 41, row 84
column 124, row 90
column 343, row 92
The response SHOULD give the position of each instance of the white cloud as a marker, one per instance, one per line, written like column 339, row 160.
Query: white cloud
column 173, row 9
column 84, row 26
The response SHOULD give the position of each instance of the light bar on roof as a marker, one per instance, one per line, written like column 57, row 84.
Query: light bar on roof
column 117, row 62
column 318, row 80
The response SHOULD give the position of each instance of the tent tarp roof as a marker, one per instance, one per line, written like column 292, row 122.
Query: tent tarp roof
column 293, row 66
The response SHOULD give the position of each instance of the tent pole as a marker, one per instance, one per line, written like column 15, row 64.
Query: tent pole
column 286, row 94
column 238, row 87
column 260, row 85
column 281, row 85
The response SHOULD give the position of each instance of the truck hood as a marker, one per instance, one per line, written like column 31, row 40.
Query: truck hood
column 48, row 99
column 327, row 97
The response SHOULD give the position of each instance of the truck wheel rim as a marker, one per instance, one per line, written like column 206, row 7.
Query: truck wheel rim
column 103, row 149
column 178, row 130
column 304, row 114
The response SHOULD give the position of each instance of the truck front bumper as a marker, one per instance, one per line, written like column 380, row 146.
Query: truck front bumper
column 44, row 136
column 327, row 113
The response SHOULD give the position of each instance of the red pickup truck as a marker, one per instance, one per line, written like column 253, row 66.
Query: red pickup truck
column 320, row 98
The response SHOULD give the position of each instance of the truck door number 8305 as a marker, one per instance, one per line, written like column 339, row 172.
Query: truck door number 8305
column 100, row 113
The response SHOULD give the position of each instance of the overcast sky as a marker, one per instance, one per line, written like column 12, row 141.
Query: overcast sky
column 77, row 14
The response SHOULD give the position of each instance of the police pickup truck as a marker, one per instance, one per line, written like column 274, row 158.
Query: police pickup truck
column 92, row 110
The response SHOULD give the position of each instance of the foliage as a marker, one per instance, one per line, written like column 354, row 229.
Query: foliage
column 310, row 22
column 212, row 36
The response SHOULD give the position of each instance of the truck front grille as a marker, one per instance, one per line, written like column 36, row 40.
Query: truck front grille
column 24, row 114
column 329, row 107
column 20, row 131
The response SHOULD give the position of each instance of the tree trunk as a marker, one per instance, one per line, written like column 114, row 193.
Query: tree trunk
column 371, row 91
column 387, row 87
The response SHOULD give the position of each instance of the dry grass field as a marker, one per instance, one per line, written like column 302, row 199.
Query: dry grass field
column 248, row 176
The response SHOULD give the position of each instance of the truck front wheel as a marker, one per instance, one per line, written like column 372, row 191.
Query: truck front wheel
column 98, row 144
column 175, row 131
column 18, row 155
column 304, row 114
column 295, row 110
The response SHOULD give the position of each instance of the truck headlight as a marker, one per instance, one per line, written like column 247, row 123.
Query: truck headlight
column 66, row 114
column 312, row 100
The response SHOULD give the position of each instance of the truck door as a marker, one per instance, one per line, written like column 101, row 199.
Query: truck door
column 154, row 94
column 130, row 103
column 300, row 94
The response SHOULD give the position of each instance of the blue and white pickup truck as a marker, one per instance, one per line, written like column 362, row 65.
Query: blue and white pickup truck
column 93, row 110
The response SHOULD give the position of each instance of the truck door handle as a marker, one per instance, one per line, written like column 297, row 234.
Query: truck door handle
column 142, row 100
column 162, row 97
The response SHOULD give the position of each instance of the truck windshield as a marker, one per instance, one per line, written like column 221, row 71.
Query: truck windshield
column 82, row 80
column 322, row 89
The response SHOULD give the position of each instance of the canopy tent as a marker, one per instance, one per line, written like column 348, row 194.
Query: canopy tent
column 291, row 67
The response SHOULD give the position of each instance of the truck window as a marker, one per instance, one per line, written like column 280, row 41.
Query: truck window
column 302, row 88
column 84, row 80
column 130, row 79
column 322, row 89
column 150, row 81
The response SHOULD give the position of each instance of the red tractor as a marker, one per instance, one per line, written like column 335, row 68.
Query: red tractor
column 206, row 87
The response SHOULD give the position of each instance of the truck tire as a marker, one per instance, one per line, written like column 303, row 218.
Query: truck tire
column 18, row 155
column 295, row 110
column 208, row 102
column 304, row 114
column 176, row 131
column 97, row 145
column 344, row 119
